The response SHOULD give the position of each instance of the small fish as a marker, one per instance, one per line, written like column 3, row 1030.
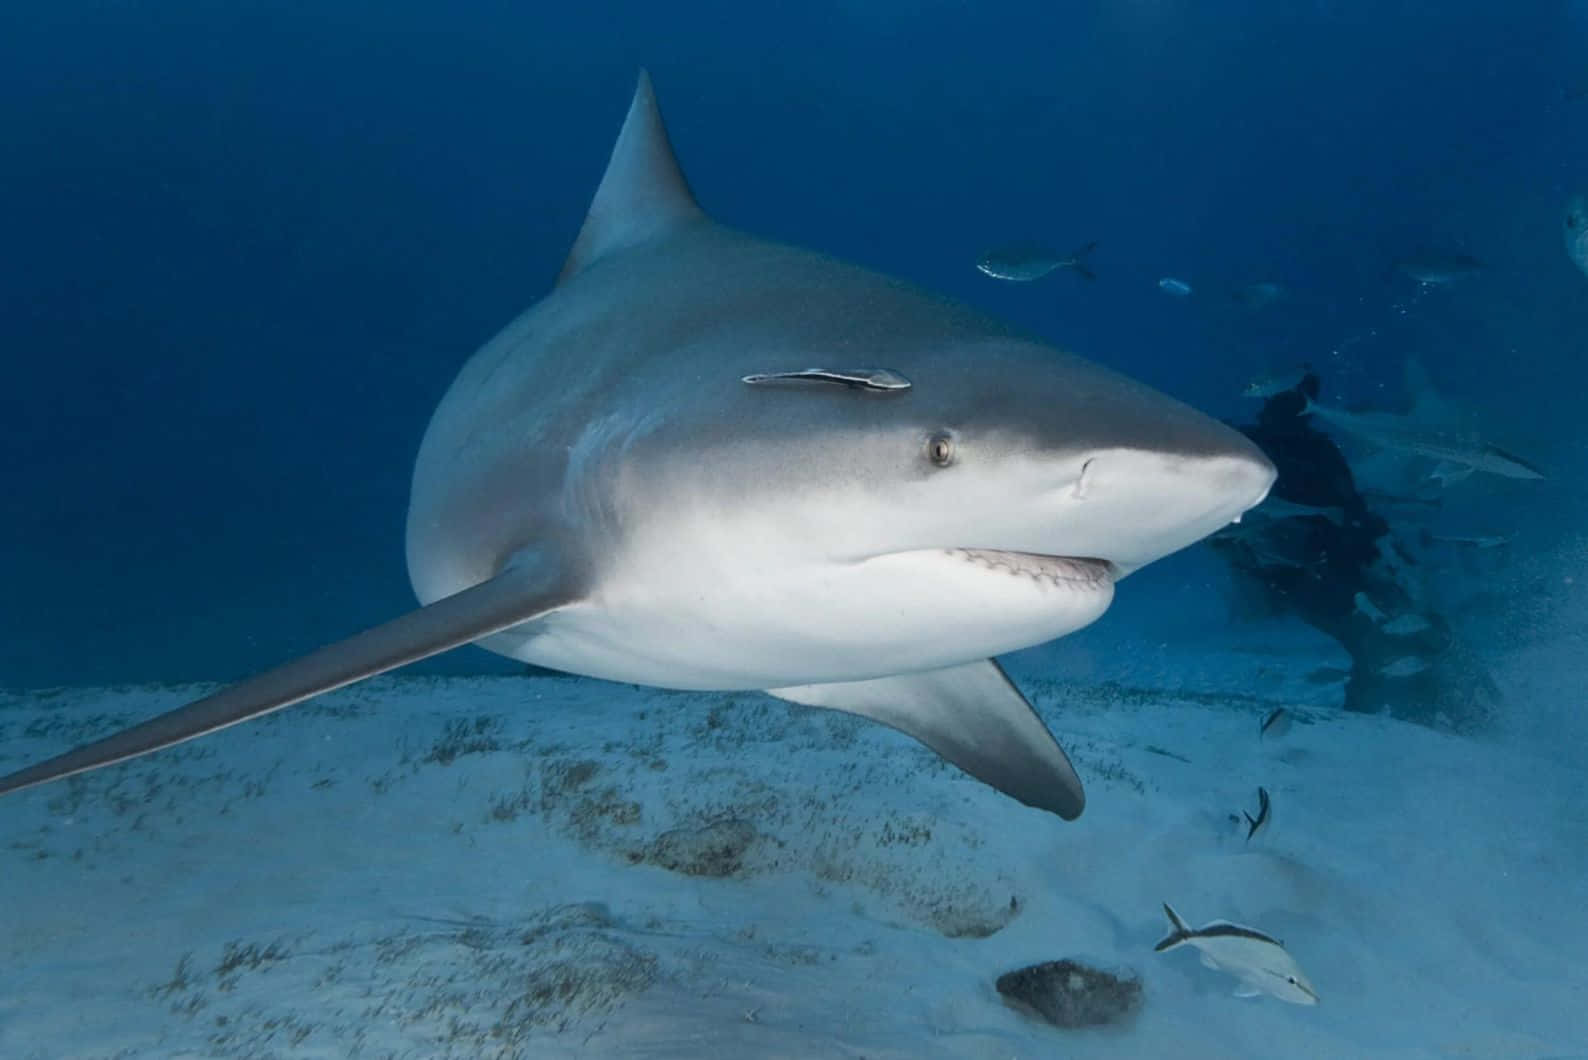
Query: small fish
column 1258, row 295
column 1269, row 385
column 1257, row 960
column 1024, row 262
column 1405, row 625
column 1170, row 285
column 1260, row 822
column 1274, row 724
column 1405, row 666
column 1368, row 608
column 1577, row 232
column 1406, row 435
column 1433, row 268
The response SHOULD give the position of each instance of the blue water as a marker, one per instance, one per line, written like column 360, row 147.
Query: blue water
column 245, row 246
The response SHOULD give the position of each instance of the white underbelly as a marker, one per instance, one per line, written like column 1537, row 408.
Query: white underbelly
column 805, row 625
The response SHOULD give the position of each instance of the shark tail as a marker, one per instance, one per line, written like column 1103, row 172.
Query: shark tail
column 1179, row 931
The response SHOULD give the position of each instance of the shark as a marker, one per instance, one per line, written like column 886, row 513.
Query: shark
column 707, row 461
column 1452, row 447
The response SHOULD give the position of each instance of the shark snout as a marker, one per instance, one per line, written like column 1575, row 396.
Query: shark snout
column 1242, row 478
column 1133, row 506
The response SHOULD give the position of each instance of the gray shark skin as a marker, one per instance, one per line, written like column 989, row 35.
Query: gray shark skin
column 610, row 488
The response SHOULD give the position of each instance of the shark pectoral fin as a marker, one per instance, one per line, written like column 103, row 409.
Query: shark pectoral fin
column 520, row 593
column 974, row 717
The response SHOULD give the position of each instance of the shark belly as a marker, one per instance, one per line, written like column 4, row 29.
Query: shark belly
column 677, row 627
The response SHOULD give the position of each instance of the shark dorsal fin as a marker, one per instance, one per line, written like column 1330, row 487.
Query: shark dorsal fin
column 643, row 193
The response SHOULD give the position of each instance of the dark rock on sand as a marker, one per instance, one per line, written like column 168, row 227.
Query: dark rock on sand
column 1071, row 994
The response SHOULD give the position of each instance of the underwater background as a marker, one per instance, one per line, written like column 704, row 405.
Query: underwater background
column 248, row 244
column 246, row 247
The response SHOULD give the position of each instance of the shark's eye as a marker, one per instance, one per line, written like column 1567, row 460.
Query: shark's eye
column 940, row 449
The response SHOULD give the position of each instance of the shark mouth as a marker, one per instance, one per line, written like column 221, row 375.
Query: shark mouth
column 1071, row 572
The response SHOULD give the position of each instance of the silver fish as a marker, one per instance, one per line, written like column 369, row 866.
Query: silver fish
column 1405, row 666
column 1433, row 268
column 1024, row 262
column 1257, row 960
column 1170, row 285
column 1405, row 625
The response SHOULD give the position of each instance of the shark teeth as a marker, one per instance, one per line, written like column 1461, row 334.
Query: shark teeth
column 1063, row 571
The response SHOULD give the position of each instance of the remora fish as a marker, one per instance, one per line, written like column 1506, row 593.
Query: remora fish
column 658, row 475
column 1023, row 262
column 1433, row 268
column 1406, row 435
column 1576, row 229
column 1258, row 961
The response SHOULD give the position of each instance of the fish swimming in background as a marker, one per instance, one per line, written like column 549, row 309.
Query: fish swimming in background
column 1178, row 288
column 1405, row 434
column 1405, row 666
column 1258, row 295
column 1257, row 960
column 1576, row 229
column 1405, row 625
column 1269, row 385
column 1433, row 268
column 1363, row 604
column 1264, row 815
column 1024, row 262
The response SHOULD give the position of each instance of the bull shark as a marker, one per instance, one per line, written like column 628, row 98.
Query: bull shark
column 1451, row 446
column 706, row 461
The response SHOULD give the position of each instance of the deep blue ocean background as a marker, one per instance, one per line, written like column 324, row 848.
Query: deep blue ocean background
column 247, row 245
